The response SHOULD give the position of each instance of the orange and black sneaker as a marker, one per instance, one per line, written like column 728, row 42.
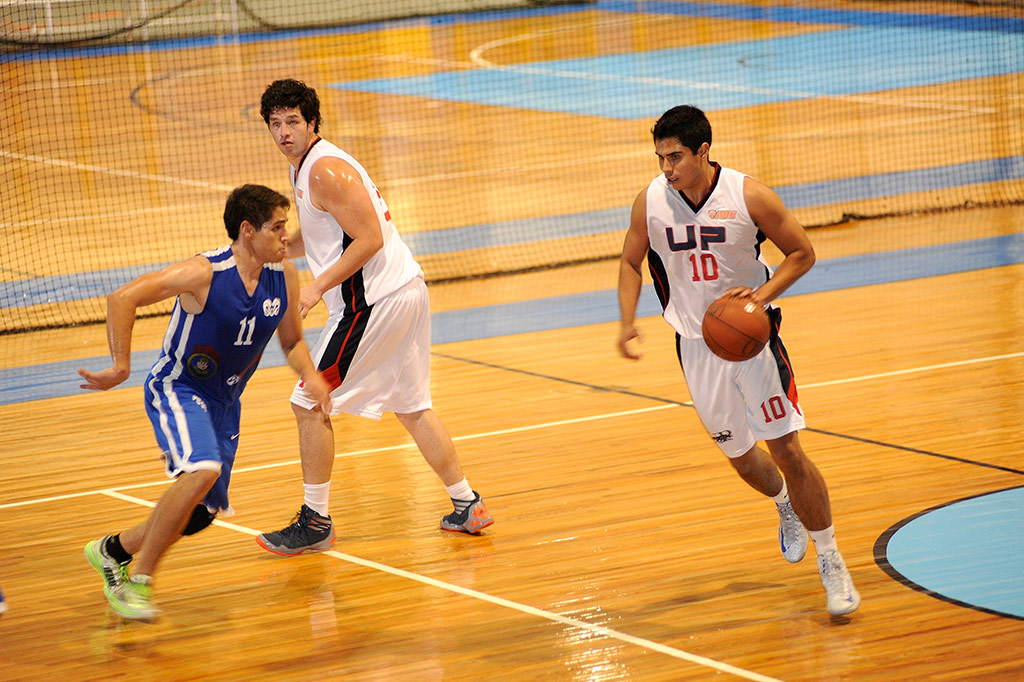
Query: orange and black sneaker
column 473, row 518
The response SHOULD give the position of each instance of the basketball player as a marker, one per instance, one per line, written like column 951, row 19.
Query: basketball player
column 375, row 348
column 700, row 227
column 229, row 303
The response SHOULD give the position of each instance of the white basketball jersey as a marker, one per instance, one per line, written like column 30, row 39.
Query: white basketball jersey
column 387, row 271
column 699, row 251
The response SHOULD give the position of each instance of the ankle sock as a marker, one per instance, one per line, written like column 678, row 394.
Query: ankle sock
column 783, row 496
column 461, row 494
column 318, row 497
column 824, row 540
column 115, row 551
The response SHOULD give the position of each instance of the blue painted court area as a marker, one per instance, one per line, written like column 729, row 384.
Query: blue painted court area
column 969, row 552
column 833, row 63
column 55, row 379
column 39, row 290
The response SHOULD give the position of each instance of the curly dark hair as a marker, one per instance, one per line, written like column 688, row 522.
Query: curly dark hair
column 291, row 94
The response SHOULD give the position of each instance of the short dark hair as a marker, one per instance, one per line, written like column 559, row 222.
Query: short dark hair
column 686, row 123
column 254, row 203
column 291, row 94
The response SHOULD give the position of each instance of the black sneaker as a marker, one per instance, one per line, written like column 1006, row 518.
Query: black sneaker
column 309, row 532
column 472, row 519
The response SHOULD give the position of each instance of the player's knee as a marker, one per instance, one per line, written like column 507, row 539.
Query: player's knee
column 200, row 519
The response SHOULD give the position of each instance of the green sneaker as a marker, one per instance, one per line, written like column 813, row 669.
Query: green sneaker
column 131, row 600
column 114, row 574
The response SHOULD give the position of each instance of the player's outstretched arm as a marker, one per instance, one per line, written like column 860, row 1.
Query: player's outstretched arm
column 190, row 279
column 634, row 250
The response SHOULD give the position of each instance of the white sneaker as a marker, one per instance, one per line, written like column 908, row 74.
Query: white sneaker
column 843, row 597
column 792, row 534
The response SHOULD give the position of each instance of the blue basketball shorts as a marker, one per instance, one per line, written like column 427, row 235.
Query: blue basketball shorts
column 194, row 434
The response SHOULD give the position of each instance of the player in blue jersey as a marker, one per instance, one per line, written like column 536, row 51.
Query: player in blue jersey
column 229, row 303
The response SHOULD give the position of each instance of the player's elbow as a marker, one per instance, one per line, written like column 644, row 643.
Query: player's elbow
column 805, row 259
column 119, row 299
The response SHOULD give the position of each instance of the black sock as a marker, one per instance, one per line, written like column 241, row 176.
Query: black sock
column 115, row 551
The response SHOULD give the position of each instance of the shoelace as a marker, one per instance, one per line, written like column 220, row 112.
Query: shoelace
column 304, row 520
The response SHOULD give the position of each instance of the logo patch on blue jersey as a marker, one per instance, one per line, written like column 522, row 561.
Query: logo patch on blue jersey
column 203, row 362
column 271, row 307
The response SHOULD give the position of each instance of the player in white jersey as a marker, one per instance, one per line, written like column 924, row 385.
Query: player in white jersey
column 701, row 227
column 375, row 348
column 229, row 304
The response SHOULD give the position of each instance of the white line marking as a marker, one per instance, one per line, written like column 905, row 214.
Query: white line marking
column 599, row 630
column 523, row 608
column 354, row 453
column 914, row 370
column 114, row 171
column 521, row 429
column 476, row 56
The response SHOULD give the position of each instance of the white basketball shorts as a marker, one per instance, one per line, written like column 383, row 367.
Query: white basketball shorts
column 377, row 359
column 740, row 403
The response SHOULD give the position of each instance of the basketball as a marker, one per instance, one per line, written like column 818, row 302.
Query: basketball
column 735, row 329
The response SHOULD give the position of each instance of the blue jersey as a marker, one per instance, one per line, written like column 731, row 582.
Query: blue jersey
column 216, row 351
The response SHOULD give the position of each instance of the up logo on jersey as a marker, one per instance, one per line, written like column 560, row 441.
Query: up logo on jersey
column 271, row 307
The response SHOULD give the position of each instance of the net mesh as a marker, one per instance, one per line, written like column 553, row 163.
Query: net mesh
column 505, row 136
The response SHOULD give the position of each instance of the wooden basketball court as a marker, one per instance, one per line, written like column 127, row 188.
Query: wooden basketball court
column 624, row 547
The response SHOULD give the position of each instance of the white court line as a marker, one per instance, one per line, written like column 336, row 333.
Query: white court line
column 354, row 453
column 523, row 608
column 913, row 370
column 521, row 429
column 476, row 56
column 114, row 171
column 599, row 630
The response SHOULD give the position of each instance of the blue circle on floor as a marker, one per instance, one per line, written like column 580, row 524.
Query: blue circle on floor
column 969, row 552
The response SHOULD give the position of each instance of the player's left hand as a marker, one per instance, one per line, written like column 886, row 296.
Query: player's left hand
column 321, row 390
column 745, row 293
column 103, row 380
column 308, row 298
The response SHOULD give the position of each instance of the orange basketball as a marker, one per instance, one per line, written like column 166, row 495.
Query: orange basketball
column 735, row 329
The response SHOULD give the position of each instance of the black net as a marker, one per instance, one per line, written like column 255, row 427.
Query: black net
column 505, row 136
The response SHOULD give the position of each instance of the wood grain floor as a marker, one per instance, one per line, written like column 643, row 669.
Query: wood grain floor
column 624, row 548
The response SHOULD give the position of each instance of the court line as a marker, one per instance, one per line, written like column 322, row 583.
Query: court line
column 599, row 630
column 114, row 171
column 925, row 368
column 724, row 87
column 499, row 601
column 522, row 429
column 354, row 453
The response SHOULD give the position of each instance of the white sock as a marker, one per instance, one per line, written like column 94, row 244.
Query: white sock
column 824, row 540
column 460, row 491
column 783, row 496
column 318, row 497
